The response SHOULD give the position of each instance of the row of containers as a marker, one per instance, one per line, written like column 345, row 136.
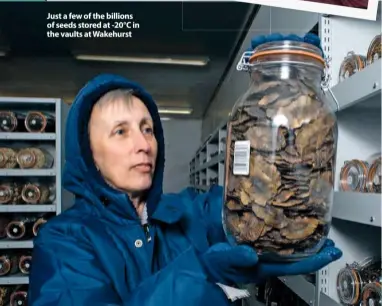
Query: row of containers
column 354, row 62
column 22, row 226
column 14, row 295
column 26, row 121
column 361, row 176
column 36, row 157
column 26, row 190
column 14, row 262
column 359, row 283
column 17, row 262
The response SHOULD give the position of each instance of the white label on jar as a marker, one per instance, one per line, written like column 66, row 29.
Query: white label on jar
column 241, row 157
column 350, row 180
column 371, row 302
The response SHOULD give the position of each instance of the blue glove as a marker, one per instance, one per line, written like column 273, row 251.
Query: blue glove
column 229, row 265
column 308, row 38
column 327, row 254
column 233, row 265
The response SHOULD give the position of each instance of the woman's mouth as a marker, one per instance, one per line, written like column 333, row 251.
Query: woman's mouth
column 143, row 167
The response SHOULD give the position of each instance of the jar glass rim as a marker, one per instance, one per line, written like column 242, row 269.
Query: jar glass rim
column 288, row 45
column 287, row 52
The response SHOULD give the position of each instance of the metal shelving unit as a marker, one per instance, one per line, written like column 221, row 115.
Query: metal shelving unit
column 52, row 143
column 356, row 224
column 358, row 208
column 368, row 83
column 207, row 167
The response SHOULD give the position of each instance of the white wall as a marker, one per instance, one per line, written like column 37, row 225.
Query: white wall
column 182, row 139
column 268, row 20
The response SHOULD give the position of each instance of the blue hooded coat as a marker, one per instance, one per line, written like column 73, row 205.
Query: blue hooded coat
column 97, row 253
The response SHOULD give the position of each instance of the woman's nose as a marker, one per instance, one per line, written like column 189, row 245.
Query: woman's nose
column 141, row 142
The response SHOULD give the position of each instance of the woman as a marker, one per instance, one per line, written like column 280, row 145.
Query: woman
column 124, row 242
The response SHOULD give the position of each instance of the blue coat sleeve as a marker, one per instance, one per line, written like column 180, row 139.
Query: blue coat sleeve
column 66, row 272
column 209, row 206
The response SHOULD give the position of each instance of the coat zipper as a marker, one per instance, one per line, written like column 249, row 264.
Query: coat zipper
column 146, row 229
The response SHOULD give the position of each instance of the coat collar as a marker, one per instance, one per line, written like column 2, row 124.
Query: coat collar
column 170, row 210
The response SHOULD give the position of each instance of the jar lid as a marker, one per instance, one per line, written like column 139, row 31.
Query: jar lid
column 5, row 265
column 8, row 119
column 37, row 225
column 6, row 194
column 350, row 65
column 35, row 122
column 374, row 51
column 348, row 286
column 374, row 175
column 18, row 298
column 26, row 158
column 286, row 47
column 353, row 176
column 31, row 193
column 25, row 264
column 15, row 230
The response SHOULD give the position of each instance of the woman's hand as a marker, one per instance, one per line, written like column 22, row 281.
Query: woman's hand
column 232, row 265
column 327, row 254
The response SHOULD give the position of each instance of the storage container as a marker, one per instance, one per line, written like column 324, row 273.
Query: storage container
column 280, row 155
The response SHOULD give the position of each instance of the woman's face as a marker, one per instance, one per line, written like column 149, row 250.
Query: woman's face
column 123, row 144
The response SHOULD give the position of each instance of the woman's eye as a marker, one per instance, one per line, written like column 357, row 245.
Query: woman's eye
column 119, row 132
column 148, row 130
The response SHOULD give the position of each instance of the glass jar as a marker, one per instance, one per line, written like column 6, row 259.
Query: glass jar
column 37, row 225
column 8, row 264
column 19, row 298
column 372, row 295
column 34, row 158
column 280, row 154
column 9, row 193
column 8, row 158
column 373, row 182
column 20, row 228
column 37, row 193
column 374, row 50
column 12, row 121
column 353, row 176
column 25, row 264
column 351, row 64
column 39, row 122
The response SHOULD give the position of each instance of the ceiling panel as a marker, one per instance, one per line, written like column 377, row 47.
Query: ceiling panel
column 40, row 65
